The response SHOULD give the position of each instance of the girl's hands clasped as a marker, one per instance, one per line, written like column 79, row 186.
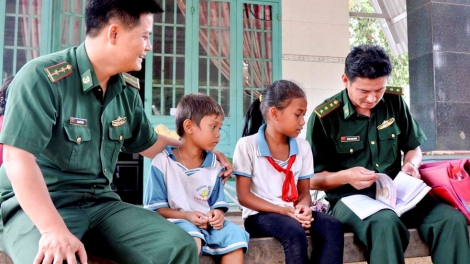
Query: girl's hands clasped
column 304, row 214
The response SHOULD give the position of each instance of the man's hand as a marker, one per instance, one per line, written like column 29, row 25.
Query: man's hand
column 216, row 218
column 361, row 178
column 199, row 219
column 410, row 169
column 60, row 246
column 227, row 165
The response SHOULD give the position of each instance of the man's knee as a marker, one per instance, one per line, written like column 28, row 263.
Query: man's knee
column 386, row 222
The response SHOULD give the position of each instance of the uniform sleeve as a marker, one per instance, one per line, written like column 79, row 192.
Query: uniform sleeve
column 306, row 171
column 155, row 192
column 243, row 159
column 411, row 135
column 143, row 134
column 32, row 109
column 217, row 198
column 320, row 143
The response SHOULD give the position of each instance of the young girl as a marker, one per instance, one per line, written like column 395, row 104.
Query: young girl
column 273, row 168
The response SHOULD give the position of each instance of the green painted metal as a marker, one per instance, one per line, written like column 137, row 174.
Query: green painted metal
column 193, row 81
column 64, row 19
column 45, row 46
column 2, row 33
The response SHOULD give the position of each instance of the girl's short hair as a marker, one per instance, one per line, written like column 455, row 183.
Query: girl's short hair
column 195, row 107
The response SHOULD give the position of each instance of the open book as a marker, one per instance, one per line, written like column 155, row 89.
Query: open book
column 398, row 195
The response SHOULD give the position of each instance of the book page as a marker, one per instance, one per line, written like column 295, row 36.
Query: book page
column 403, row 207
column 363, row 206
column 407, row 186
column 386, row 191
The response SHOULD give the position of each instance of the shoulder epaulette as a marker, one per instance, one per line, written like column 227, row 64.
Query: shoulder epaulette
column 394, row 90
column 326, row 108
column 131, row 80
column 59, row 71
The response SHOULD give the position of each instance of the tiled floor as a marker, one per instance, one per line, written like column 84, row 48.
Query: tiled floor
column 426, row 260
column 236, row 218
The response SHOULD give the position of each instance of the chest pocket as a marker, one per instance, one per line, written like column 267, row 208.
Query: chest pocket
column 117, row 135
column 78, row 152
column 349, row 152
column 388, row 142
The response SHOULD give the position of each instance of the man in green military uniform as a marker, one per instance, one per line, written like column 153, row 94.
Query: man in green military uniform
column 69, row 115
column 361, row 131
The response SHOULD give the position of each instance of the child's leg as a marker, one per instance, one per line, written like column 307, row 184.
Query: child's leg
column 193, row 231
column 287, row 230
column 328, row 239
column 223, row 242
column 234, row 257
column 198, row 243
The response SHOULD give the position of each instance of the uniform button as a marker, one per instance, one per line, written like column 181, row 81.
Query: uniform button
column 94, row 185
column 79, row 139
column 376, row 165
column 372, row 142
column 99, row 90
column 393, row 135
column 351, row 150
column 120, row 137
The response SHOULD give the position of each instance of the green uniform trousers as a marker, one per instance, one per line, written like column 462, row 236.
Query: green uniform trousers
column 109, row 228
column 386, row 236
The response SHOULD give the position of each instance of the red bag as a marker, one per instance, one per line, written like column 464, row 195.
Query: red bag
column 438, row 175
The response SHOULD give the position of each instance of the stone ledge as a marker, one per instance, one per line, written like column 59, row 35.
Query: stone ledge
column 268, row 250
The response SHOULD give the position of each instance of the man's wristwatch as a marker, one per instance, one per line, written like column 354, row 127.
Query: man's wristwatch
column 412, row 164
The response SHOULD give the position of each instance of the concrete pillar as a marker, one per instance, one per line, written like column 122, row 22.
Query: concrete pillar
column 439, row 53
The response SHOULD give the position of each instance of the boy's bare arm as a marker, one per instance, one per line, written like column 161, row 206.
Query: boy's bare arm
column 197, row 218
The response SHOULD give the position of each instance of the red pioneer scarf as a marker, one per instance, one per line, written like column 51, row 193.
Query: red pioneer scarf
column 289, row 182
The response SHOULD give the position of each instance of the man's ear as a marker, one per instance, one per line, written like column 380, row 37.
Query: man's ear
column 345, row 80
column 112, row 33
column 188, row 126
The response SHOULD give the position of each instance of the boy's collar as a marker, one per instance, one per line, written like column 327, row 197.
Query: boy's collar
column 209, row 157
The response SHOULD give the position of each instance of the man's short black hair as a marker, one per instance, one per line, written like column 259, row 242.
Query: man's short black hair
column 367, row 61
column 99, row 13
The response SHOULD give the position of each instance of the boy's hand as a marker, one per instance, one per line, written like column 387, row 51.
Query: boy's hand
column 304, row 214
column 227, row 165
column 199, row 219
column 216, row 218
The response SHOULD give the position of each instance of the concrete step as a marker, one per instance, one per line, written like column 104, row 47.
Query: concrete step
column 269, row 251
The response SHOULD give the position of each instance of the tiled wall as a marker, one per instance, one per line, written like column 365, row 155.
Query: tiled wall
column 315, row 41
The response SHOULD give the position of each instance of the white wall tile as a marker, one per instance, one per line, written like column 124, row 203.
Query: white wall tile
column 302, row 36
column 287, row 27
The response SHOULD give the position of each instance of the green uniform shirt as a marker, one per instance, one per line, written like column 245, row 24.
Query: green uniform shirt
column 342, row 139
column 57, row 112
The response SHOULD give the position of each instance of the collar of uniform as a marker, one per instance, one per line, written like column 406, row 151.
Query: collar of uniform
column 209, row 160
column 348, row 107
column 263, row 149
column 85, row 69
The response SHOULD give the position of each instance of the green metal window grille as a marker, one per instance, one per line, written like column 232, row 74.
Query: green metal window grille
column 214, row 51
column 168, row 62
column 257, row 51
column 69, row 24
column 21, row 34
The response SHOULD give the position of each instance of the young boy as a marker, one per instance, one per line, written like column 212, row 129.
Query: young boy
column 183, row 183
